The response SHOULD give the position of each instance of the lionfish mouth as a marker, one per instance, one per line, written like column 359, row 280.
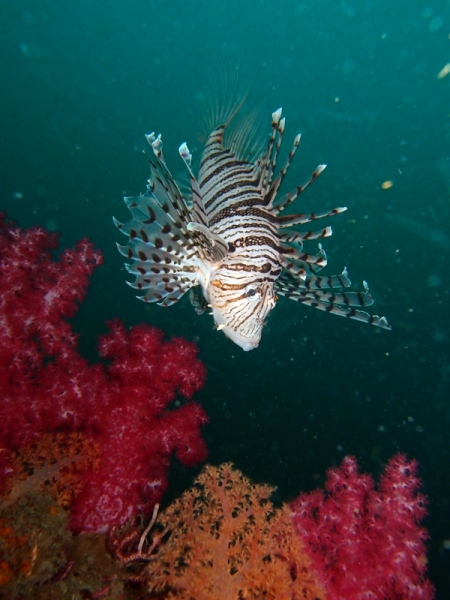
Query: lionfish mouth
column 246, row 342
column 243, row 342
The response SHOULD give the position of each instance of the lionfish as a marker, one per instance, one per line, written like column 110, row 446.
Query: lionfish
column 230, row 242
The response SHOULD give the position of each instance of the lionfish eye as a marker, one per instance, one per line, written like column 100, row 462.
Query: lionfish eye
column 252, row 292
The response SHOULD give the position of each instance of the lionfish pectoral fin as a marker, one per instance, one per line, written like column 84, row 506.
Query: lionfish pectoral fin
column 292, row 258
column 321, row 282
column 298, row 237
column 198, row 300
column 163, row 282
column 162, row 253
column 339, row 303
column 211, row 246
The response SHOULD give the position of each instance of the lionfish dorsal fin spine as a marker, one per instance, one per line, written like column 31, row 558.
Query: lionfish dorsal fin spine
column 227, row 83
column 301, row 219
column 266, row 163
column 283, row 202
column 163, row 186
column 276, row 184
column 198, row 210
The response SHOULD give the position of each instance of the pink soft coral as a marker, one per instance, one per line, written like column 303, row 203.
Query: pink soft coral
column 46, row 385
column 367, row 542
column 137, row 432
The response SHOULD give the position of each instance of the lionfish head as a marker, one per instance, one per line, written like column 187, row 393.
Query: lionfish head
column 241, row 313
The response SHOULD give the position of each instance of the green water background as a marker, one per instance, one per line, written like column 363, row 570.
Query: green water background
column 81, row 82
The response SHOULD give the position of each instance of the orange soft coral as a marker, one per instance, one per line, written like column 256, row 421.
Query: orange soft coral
column 56, row 463
column 224, row 539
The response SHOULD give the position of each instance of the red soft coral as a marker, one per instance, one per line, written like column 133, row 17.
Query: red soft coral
column 367, row 542
column 123, row 405
column 137, row 431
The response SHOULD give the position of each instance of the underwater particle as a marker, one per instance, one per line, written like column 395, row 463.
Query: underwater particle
column 348, row 10
column 28, row 18
column 419, row 429
column 30, row 50
column 386, row 185
column 444, row 71
column 444, row 164
column 51, row 225
column 438, row 337
column 435, row 24
column 18, row 195
column 434, row 281
column 348, row 66
column 445, row 372
column 437, row 236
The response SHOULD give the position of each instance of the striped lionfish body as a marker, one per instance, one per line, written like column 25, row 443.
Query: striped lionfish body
column 231, row 245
